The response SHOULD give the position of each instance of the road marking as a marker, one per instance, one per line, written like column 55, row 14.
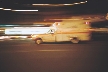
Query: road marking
column 30, row 44
column 35, row 51
column 44, row 51
column 51, row 50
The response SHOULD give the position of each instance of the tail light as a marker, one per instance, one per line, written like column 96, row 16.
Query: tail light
column 87, row 22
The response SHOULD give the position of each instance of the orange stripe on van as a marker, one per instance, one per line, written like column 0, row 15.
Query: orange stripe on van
column 71, row 32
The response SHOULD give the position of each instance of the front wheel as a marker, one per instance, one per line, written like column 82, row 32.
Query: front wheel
column 75, row 40
column 39, row 41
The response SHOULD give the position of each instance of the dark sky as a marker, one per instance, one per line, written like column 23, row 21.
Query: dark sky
column 53, row 1
column 99, row 5
column 42, row 1
column 91, row 5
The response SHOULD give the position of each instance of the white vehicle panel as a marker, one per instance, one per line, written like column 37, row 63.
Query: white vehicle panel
column 48, row 38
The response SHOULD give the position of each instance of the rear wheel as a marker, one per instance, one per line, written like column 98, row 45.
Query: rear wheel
column 39, row 41
column 75, row 40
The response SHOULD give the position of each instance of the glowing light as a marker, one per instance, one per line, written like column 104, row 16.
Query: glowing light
column 76, row 3
column 58, row 4
column 34, row 35
column 87, row 22
column 24, row 10
column 6, row 9
column 4, row 37
column 23, row 36
column 27, row 30
column 1, row 30
column 64, row 19
column 68, row 4
column 1, row 8
column 82, row 2
column 40, row 4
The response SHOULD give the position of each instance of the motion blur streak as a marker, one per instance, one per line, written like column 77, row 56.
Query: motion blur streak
column 36, row 51
column 24, row 10
column 52, row 50
column 6, row 9
column 58, row 4
column 1, row 8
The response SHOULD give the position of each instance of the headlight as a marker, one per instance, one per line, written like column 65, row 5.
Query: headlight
column 34, row 35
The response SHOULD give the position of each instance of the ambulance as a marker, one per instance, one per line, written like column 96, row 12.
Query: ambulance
column 66, row 30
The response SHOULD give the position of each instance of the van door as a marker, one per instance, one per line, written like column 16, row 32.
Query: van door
column 49, row 37
column 58, row 37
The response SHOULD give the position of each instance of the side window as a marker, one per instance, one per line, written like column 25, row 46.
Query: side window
column 51, row 31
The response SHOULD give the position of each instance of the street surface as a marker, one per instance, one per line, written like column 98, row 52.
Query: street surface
column 26, row 56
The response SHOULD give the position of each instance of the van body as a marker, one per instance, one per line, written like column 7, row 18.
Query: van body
column 73, row 31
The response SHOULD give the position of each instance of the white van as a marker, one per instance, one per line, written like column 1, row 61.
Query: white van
column 74, row 31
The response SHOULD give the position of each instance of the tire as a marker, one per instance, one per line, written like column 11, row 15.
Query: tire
column 38, row 41
column 75, row 40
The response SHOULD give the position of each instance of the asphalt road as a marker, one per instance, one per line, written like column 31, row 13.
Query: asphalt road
column 25, row 56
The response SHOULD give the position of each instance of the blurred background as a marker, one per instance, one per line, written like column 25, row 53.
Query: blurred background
column 20, row 19
column 31, row 13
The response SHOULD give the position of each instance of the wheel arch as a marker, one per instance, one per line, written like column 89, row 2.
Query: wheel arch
column 38, row 39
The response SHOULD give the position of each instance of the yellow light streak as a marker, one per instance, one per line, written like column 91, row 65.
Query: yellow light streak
column 76, row 3
column 1, row 8
column 6, row 9
column 40, row 4
column 68, row 4
column 82, row 2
